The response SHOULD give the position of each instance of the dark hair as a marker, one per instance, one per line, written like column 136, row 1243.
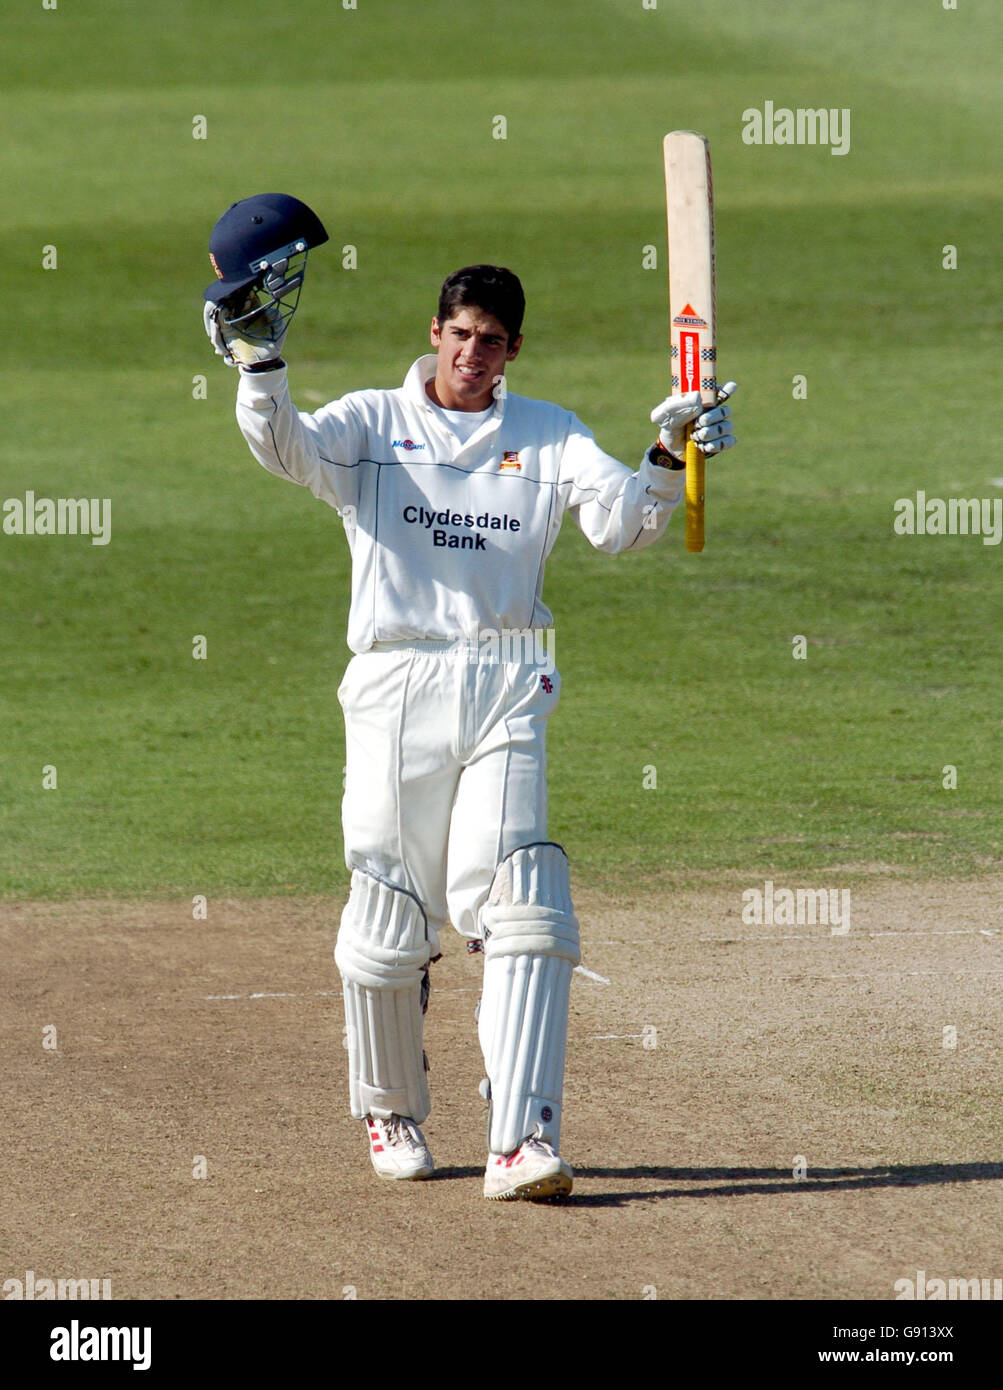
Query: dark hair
column 489, row 287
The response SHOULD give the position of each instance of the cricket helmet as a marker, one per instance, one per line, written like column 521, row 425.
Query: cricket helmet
column 260, row 244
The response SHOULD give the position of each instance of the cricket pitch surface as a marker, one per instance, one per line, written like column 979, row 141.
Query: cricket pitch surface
column 766, row 1112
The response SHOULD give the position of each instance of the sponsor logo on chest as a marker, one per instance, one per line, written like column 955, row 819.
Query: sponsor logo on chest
column 460, row 530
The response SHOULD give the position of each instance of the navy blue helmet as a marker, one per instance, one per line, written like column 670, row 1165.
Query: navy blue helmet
column 260, row 244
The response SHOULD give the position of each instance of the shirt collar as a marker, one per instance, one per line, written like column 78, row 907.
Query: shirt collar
column 422, row 371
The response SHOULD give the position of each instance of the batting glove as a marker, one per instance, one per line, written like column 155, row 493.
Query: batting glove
column 712, row 432
column 230, row 344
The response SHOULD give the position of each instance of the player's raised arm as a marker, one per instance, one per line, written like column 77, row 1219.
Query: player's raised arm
column 615, row 509
column 259, row 250
column 619, row 510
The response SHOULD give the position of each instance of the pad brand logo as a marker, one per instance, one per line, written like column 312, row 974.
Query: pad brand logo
column 510, row 462
column 408, row 444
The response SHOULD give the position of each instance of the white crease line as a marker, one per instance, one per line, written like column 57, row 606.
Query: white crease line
column 892, row 974
column 814, row 936
column 954, row 931
column 605, row 1037
column 807, row 936
column 591, row 975
column 310, row 994
column 324, row 993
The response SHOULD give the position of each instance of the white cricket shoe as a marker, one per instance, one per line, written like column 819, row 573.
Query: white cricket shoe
column 534, row 1171
column 398, row 1149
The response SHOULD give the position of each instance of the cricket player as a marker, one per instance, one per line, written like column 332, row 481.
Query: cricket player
column 452, row 491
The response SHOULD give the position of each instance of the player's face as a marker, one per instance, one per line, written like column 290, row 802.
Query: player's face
column 472, row 348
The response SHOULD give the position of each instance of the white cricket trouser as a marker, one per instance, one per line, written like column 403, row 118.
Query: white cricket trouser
column 446, row 769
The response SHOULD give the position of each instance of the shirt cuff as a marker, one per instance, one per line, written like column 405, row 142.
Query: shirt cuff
column 667, row 483
column 661, row 458
column 260, row 386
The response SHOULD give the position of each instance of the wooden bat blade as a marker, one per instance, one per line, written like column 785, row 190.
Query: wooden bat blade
column 689, row 208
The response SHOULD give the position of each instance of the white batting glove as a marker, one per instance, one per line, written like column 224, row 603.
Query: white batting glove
column 231, row 345
column 713, row 428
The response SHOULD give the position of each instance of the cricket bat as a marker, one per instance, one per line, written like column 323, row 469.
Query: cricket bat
column 689, row 211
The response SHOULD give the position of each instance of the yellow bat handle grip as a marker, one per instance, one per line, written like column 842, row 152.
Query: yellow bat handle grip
column 695, row 463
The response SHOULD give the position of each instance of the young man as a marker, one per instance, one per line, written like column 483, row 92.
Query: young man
column 452, row 492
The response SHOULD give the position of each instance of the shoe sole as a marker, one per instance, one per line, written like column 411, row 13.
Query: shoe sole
column 418, row 1176
column 539, row 1190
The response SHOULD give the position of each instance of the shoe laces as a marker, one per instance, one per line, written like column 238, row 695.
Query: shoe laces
column 539, row 1145
column 401, row 1130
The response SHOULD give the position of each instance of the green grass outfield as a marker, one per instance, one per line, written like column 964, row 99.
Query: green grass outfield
column 178, row 776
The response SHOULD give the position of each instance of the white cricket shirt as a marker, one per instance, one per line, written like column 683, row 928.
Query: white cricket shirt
column 463, row 423
column 449, row 538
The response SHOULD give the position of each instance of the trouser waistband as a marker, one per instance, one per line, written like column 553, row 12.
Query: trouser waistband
column 461, row 645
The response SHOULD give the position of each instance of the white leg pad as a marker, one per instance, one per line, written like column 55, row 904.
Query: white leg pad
column 383, row 953
column 531, row 947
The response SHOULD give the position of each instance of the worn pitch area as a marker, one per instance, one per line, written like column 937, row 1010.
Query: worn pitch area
column 707, row 1060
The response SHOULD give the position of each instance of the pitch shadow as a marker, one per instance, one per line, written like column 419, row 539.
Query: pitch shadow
column 743, row 1182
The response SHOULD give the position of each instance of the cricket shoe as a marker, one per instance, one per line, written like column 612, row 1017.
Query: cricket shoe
column 398, row 1149
column 530, row 1174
